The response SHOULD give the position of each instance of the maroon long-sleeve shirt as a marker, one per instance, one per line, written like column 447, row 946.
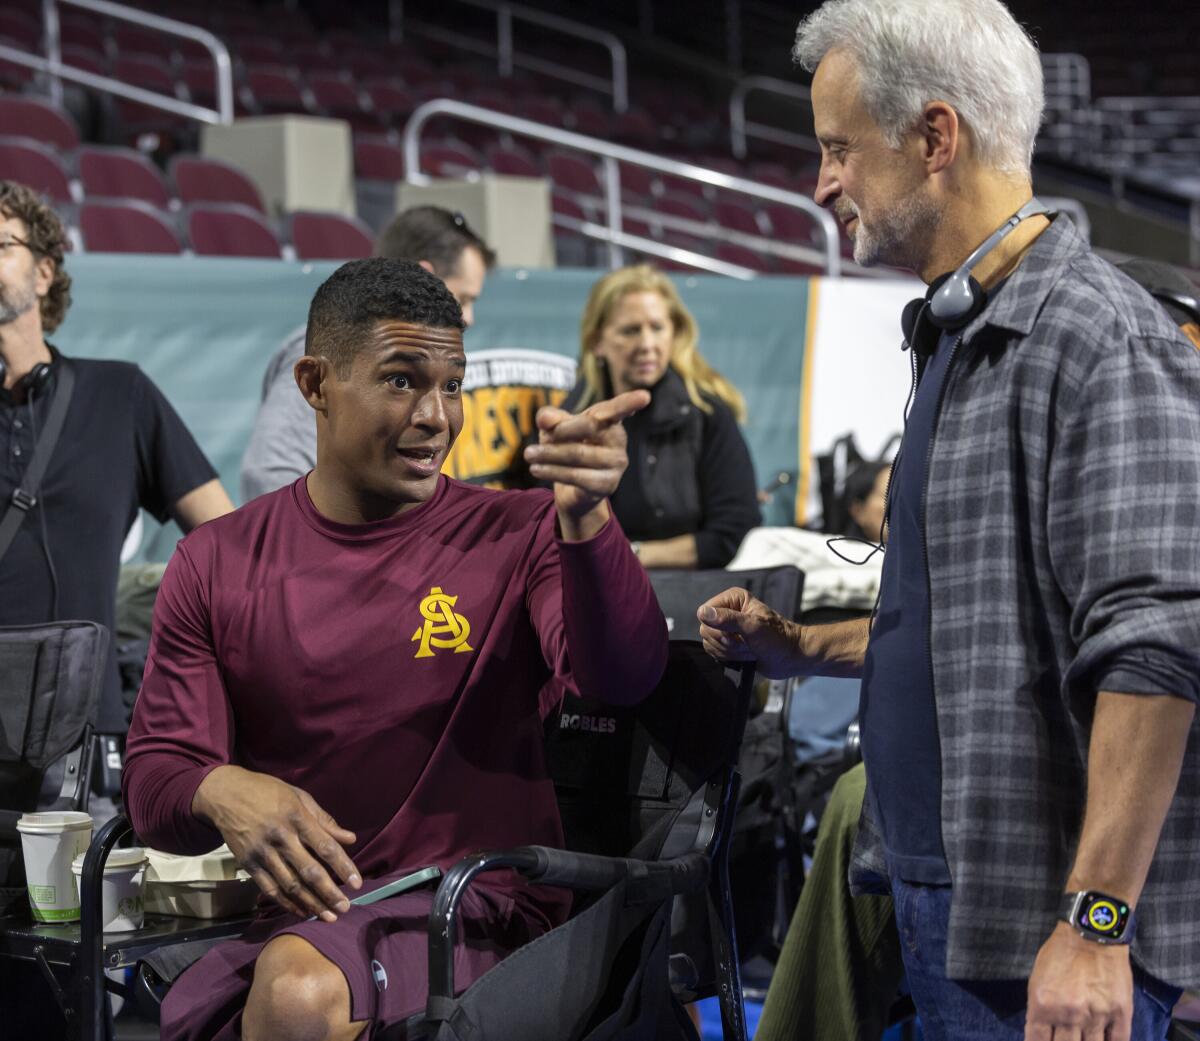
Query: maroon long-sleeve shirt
column 391, row 669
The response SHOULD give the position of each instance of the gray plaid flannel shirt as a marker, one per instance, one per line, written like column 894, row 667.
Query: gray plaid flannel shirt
column 1063, row 533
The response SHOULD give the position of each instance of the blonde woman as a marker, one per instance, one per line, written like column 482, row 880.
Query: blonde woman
column 689, row 495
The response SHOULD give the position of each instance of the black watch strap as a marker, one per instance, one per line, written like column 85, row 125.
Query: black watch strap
column 1097, row 916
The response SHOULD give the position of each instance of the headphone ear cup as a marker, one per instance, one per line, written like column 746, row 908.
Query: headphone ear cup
column 34, row 381
column 960, row 318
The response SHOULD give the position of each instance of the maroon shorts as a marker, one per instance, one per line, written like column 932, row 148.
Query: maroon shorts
column 382, row 950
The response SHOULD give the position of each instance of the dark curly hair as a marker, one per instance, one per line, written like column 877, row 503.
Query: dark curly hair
column 47, row 238
column 350, row 302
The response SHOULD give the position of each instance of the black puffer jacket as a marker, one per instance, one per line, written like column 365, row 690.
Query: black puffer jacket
column 689, row 473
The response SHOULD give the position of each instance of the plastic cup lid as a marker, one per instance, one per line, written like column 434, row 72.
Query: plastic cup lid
column 51, row 823
column 118, row 859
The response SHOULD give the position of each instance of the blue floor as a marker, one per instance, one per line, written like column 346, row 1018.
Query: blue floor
column 710, row 1022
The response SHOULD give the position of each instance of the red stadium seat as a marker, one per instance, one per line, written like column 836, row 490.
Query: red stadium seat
column 80, row 31
column 130, row 226
column 377, row 159
column 686, row 186
column 391, row 100
column 685, row 206
column 31, row 162
column 591, row 120
column 82, row 58
column 269, row 89
column 328, row 236
column 546, row 110
column 451, row 159
column 571, row 172
column 257, row 50
column 210, row 180
column 21, row 28
column 496, row 100
column 637, row 182
column 314, row 59
column 787, row 266
column 133, row 40
column 200, row 78
column 28, row 117
column 334, row 96
column 737, row 216
column 514, row 161
column 229, row 230
column 121, row 173
column 789, row 224
column 734, row 254
column 149, row 74
column 364, row 65
column 638, row 128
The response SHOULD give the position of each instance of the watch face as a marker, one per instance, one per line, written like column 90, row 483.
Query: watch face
column 1102, row 915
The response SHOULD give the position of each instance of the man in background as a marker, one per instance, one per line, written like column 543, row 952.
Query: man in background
column 122, row 447
column 283, row 443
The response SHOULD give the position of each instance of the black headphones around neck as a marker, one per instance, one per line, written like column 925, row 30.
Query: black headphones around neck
column 955, row 298
column 33, row 384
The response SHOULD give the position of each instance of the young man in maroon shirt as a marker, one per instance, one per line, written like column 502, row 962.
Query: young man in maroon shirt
column 344, row 678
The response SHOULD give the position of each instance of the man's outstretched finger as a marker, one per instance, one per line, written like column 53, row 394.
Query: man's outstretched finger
column 619, row 408
column 549, row 416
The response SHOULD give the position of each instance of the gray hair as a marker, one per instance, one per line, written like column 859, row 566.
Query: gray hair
column 969, row 53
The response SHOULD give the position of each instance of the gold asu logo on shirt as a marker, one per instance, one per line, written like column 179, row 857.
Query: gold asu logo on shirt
column 444, row 627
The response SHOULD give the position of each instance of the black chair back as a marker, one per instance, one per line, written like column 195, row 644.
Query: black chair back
column 680, row 593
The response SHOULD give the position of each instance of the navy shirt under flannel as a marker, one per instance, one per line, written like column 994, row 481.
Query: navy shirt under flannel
column 899, row 725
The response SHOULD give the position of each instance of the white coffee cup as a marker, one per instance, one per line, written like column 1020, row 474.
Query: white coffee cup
column 122, row 893
column 50, row 841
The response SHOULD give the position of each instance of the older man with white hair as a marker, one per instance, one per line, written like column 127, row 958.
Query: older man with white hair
column 1031, row 672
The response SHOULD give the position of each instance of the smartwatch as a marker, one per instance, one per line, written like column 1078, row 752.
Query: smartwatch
column 1097, row 916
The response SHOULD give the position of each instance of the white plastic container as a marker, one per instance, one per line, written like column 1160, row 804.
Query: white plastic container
column 50, row 842
column 208, row 886
column 123, row 893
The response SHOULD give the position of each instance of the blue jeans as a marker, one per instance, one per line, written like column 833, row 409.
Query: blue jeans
column 987, row 1010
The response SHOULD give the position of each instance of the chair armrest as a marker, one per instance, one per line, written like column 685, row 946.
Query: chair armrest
column 91, row 923
column 655, row 879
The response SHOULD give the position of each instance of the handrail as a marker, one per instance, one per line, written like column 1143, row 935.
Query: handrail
column 739, row 129
column 52, row 63
column 507, row 13
column 612, row 155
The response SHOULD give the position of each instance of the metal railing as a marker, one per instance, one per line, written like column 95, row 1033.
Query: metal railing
column 611, row 155
column 507, row 57
column 52, row 63
column 740, row 129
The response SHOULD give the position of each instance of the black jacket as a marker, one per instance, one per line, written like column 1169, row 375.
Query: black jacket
column 689, row 473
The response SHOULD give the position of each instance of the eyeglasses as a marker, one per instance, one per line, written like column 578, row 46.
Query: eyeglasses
column 10, row 241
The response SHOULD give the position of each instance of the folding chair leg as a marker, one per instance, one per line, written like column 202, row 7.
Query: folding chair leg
column 721, row 925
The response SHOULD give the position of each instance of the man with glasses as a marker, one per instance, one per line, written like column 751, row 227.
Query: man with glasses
column 121, row 448
column 283, row 444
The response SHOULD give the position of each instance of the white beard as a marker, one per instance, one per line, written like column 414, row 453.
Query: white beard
column 898, row 236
